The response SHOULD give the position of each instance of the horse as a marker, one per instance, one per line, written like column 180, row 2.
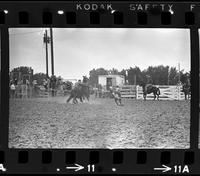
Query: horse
column 148, row 89
column 80, row 91
column 186, row 90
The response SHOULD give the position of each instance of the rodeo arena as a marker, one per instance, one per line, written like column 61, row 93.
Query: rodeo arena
column 49, row 111
column 70, row 113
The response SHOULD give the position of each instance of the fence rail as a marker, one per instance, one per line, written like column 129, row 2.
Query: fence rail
column 127, row 91
column 166, row 92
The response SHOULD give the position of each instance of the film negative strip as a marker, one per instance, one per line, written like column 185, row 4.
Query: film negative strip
column 100, row 87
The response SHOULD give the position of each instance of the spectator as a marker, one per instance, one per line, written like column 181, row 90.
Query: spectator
column 95, row 89
column 34, row 87
column 12, row 90
column 15, row 81
column 45, row 84
column 27, row 82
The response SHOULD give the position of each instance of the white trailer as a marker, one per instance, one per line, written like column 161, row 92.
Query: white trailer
column 111, row 80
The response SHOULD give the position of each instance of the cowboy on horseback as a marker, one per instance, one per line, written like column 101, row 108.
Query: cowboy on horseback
column 148, row 85
column 148, row 88
column 117, row 95
column 186, row 87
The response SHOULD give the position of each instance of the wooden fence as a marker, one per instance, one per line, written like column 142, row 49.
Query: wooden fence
column 166, row 92
column 128, row 91
column 23, row 91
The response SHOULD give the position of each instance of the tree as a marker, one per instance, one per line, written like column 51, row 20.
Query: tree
column 173, row 76
column 157, row 75
column 21, row 74
column 134, row 73
column 124, row 73
column 93, row 79
column 39, row 77
column 113, row 71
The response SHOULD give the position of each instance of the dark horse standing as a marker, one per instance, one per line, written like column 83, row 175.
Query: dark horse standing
column 186, row 90
column 81, row 91
column 148, row 89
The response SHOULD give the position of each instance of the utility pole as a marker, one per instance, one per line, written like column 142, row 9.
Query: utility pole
column 126, row 77
column 46, row 40
column 179, row 76
column 168, row 76
column 179, row 82
column 135, row 79
column 52, row 56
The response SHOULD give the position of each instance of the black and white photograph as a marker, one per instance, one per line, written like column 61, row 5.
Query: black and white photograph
column 115, row 88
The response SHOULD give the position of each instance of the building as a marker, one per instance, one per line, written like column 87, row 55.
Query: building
column 111, row 80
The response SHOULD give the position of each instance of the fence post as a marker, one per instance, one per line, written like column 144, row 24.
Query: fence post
column 24, row 91
column 136, row 90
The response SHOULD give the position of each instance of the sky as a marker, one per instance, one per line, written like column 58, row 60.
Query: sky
column 79, row 50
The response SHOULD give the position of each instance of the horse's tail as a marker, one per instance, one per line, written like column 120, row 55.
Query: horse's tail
column 158, row 91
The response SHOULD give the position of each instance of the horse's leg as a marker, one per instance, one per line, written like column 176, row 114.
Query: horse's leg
column 116, row 101
column 120, row 101
column 70, row 97
column 81, row 99
column 144, row 95
column 154, row 96
column 157, row 96
column 53, row 92
column 88, row 97
column 75, row 100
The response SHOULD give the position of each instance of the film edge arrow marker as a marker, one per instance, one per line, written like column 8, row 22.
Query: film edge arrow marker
column 77, row 167
column 164, row 168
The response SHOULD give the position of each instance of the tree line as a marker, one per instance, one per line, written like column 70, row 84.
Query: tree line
column 157, row 75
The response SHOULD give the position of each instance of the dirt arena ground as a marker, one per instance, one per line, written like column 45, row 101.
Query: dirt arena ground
column 99, row 123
